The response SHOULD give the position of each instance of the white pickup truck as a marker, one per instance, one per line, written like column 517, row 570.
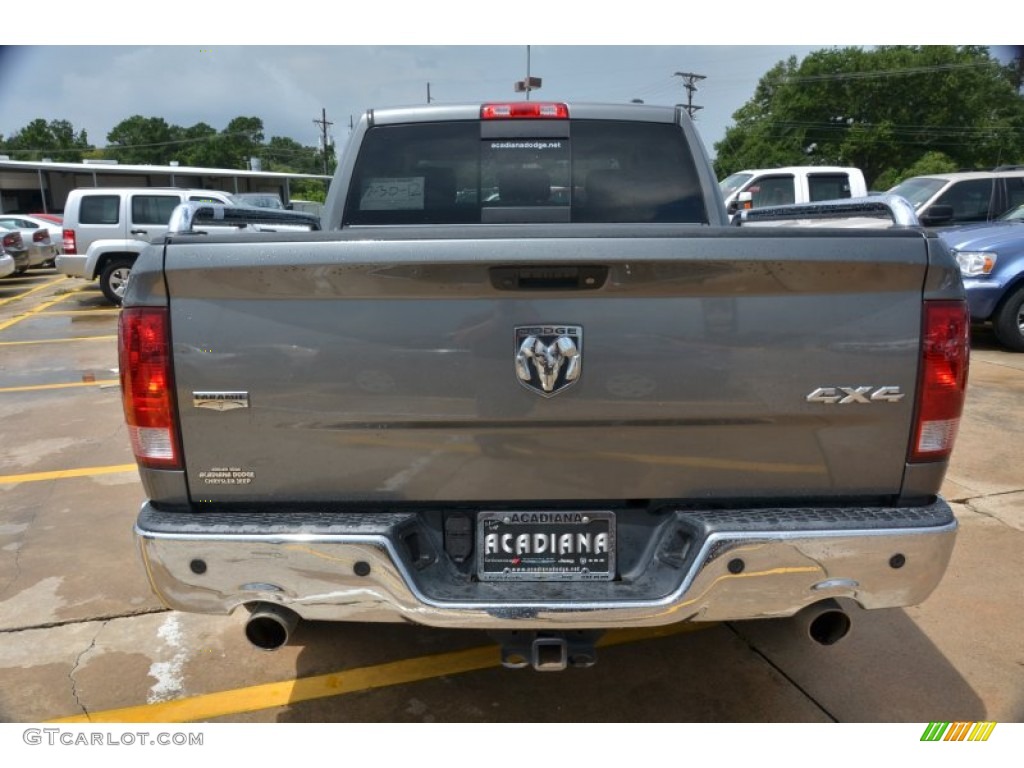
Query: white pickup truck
column 794, row 184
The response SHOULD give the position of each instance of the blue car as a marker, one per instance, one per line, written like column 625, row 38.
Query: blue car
column 991, row 258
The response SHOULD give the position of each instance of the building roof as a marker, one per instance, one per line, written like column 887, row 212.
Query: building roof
column 110, row 167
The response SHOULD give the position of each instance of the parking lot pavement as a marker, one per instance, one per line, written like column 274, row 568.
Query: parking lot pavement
column 83, row 638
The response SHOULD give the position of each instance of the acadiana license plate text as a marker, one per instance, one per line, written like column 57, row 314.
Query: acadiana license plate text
column 540, row 546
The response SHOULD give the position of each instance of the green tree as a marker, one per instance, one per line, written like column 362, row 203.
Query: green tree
column 143, row 141
column 309, row 189
column 56, row 139
column 197, row 146
column 931, row 162
column 285, row 154
column 881, row 110
column 242, row 139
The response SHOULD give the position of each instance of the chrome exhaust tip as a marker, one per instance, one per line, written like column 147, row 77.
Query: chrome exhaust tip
column 826, row 623
column 269, row 626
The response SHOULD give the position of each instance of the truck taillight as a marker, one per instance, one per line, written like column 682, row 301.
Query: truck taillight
column 515, row 110
column 70, row 245
column 945, row 353
column 147, row 386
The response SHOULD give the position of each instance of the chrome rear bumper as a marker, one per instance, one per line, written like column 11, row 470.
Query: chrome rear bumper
column 700, row 565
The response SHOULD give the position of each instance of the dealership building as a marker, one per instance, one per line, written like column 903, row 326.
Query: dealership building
column 43, row 186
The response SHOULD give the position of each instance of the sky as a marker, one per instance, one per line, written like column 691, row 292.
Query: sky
column 95, row 87
column 345, row 62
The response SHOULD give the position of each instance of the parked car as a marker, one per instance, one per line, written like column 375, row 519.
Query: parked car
column 52, row 224
column 949, row 199
column 6, row 262
column 307, row 206
column 14, row 245
column 42, row 250
column 991, row 259
column 105, row 229
column 55, row 218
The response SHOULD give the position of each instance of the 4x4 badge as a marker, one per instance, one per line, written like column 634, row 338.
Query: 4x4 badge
column 549, row 358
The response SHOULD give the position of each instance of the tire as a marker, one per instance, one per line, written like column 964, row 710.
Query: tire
column 114, row 279
column 1008, row 322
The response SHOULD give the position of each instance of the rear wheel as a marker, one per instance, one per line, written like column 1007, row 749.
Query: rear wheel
column 1008, row 322
column 114, row 279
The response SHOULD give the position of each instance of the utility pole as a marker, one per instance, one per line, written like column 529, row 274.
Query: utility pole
column 529, row 83
column 324, row 124
column 689, row 83
column 527, row 73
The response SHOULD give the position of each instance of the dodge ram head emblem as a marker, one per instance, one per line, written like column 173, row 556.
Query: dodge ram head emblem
column 549, row 358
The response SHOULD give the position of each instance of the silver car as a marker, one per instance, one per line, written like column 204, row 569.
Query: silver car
column 41, row 250
column 24, row 222
column 6, row 264
column 12, row 244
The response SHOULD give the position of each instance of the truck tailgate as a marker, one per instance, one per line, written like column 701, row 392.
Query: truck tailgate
column 710, row 365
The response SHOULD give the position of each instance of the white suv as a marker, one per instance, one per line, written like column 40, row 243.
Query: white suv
column 965, row 197
column 105, row 229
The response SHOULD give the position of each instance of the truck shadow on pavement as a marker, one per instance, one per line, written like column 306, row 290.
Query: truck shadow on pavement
column 885, row 670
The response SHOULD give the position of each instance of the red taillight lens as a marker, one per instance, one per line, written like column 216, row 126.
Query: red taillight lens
column 524, row 109
column 9, row 241
column 39, row 235
column 945, row 353
column 147, row 386
column 70, row 245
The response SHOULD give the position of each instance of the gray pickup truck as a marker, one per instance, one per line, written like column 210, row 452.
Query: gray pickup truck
column 528, row 379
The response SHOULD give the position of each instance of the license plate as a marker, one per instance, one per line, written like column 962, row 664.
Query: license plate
column 546, row 546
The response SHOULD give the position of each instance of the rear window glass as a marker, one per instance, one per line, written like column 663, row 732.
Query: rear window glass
column 19, row 223
column 153, row 209
column 772, row 190
column 1015, row 190
column 99, row 209
column 918, row 191
column 603, row 171
column 969, row 199
column 733, row 183
column 828, row 186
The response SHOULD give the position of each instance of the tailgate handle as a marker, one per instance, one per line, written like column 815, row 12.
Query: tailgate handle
column 548, row 277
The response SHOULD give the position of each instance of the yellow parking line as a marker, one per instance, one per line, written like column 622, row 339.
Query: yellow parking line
column 37, row 309
column 9, row 299
column 57, row 341
column 41, row 387
column 288, row 692
column 73, row 312
column 60, row 474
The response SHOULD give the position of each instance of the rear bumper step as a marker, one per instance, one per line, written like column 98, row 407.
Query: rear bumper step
column 696, row 565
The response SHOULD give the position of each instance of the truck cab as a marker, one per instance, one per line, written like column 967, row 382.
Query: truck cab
column 795, row 184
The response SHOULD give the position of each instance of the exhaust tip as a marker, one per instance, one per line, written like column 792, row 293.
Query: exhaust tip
column 270, row 626
column 826, row 622
column 830, row 627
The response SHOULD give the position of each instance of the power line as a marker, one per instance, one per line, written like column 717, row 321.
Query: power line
column 922, row 70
